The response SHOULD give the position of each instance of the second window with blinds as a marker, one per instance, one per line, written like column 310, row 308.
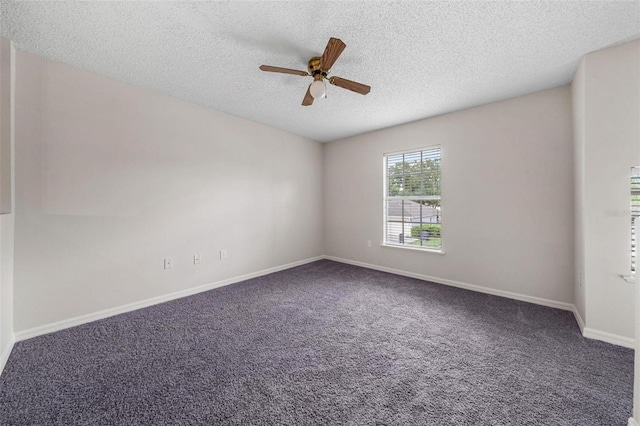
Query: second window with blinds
column 413, row 199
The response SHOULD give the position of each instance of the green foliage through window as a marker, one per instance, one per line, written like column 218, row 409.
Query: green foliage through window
column 415, row 173
column 426, row 231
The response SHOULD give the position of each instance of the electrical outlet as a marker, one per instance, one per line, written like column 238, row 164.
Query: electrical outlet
column 223, row 254
column 196, row 259
column 168, row 263
column 368, row 243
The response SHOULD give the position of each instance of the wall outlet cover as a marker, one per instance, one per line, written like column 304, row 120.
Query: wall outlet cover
column 168, row 263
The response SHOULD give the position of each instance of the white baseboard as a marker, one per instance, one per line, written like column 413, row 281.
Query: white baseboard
column 632, row 422
column 579, row 319
column 615, row 339
column 4, row 357
column 458, row 284
column 591, row 333
column 83, row 319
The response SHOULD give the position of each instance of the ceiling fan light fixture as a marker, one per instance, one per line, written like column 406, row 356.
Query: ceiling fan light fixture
column 318, row 89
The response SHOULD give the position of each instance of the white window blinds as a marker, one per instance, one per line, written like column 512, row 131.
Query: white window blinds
column 635, row 213
column 413, row 211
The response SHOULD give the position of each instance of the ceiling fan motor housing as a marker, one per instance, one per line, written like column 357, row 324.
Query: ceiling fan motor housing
column 314, row 68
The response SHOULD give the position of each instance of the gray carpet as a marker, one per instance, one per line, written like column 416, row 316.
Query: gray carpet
column 324, row 343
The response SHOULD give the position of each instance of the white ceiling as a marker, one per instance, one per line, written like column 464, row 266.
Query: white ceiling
column 420, row 58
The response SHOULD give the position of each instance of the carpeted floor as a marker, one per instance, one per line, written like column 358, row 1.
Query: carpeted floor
column 322, row 344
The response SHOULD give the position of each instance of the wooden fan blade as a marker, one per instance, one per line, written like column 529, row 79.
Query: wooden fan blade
column 331, row 53
column 308, row 99
column 363, row 89
column 269, row 68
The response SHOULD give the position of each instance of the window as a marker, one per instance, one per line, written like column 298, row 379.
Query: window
column 635, row 212
column 413, row 211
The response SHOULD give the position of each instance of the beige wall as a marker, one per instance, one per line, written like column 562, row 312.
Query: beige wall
column 7, row 218
column 578, row 97
column 507, row 196
column 111, row 179
column 609, row 110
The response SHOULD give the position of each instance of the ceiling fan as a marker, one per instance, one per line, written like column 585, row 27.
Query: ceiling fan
column 319, row 67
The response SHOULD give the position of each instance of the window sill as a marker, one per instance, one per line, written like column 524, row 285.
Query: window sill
column 629, row 278
column 423, row 250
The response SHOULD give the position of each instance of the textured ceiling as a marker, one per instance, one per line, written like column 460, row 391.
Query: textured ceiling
column 420, row 58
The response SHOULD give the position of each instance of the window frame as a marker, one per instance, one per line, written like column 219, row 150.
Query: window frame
column 634, row 181
column 386, row 198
